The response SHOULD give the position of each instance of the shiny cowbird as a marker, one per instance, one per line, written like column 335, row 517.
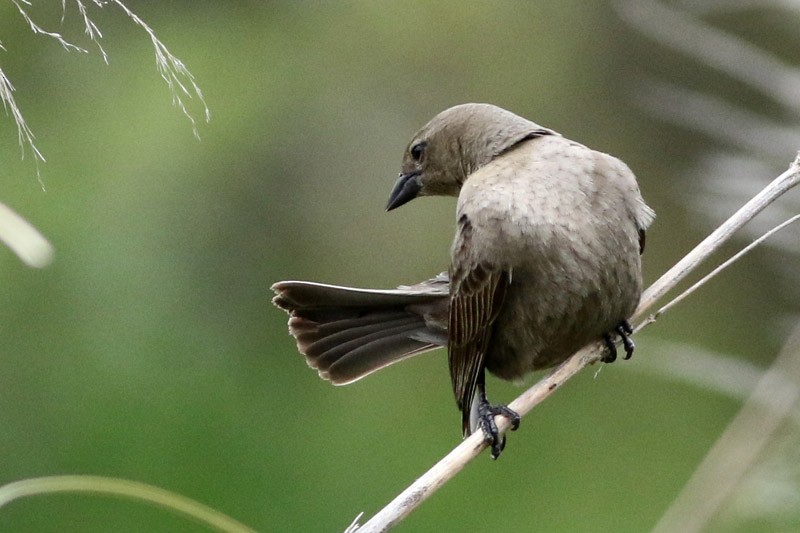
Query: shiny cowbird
column 545, row 260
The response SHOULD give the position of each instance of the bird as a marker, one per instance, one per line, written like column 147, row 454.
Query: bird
column 545, row 260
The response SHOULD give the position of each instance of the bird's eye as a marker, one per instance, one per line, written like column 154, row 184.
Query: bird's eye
column 417, row 150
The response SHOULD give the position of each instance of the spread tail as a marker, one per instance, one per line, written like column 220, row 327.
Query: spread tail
column 347, row 333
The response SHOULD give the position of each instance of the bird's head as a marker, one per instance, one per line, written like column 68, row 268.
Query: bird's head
column 453, row 145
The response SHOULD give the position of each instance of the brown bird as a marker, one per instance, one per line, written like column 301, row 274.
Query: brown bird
column 545, row 260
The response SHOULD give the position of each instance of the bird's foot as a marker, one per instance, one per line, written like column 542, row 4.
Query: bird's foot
column 624, row 330
column 491, row 435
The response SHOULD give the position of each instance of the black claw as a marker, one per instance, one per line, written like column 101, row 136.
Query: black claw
column 491, row 435
column 611, row 356
column 510, row 414
column 624, row 330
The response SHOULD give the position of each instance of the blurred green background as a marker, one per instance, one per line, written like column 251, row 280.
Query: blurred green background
column 149, row 349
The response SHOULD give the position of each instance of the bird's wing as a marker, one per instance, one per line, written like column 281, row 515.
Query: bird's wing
column 477, row 291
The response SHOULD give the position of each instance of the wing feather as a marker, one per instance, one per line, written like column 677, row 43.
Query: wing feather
column 477, row 291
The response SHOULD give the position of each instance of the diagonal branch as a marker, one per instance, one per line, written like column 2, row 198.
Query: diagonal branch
column 471, row 447
column 719, row 236
column 741, row 253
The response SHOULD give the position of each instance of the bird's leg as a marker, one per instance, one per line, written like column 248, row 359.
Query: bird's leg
column 624, row 330
column 611, row 356
column 486, row 414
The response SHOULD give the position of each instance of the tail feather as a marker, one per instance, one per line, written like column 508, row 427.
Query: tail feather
column 347, row 333
column 310, row 295
column 326, row 335
column 335, row 346
column 358, row 363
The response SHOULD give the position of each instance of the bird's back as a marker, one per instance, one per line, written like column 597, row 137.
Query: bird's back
column 560, row 219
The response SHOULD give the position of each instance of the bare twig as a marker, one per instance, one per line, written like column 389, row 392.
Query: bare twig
column 454, row 462
column 769, row 194
column 737, row 449
column 744, row 251
column 727, row 183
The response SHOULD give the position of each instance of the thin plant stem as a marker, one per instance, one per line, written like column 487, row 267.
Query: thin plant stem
column 126, row 489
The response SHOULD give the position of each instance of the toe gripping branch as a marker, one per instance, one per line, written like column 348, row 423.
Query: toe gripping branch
column 491, row 435
column 624, row 330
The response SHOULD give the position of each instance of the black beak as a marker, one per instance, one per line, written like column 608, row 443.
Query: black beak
column 405, row 189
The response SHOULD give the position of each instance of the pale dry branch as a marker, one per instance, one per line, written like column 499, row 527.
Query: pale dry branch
column 741, row 253
column 710, row 244
column 727, row 182
column 471, row 447
column 740, row 445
